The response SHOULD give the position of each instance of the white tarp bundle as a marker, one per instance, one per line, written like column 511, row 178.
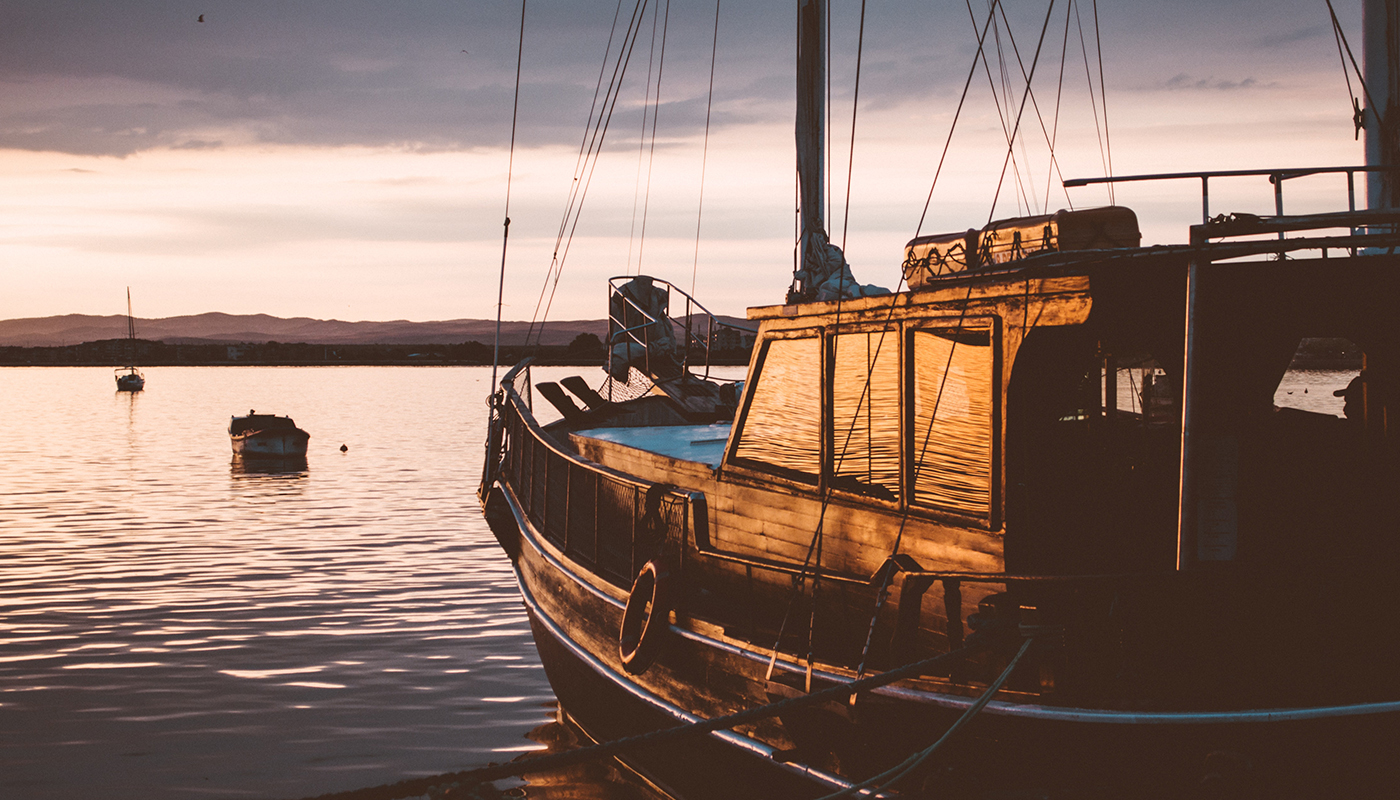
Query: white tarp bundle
column 826, row 275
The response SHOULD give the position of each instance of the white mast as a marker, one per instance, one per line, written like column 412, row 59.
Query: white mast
column 811, row 141
column 1380, row 21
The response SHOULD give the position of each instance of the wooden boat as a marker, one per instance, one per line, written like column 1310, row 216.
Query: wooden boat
column 267, row 435
column 1207, row 579
column 130, row 379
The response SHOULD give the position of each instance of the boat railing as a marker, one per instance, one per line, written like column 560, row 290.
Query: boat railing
column 1277, row 177
column 513, row 379
column 608, row 522
column 641, row 315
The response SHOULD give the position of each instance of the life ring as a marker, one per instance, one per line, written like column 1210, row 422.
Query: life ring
column 646, row 618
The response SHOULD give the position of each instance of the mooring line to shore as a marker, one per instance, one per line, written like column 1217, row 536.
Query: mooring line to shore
column 843, row 691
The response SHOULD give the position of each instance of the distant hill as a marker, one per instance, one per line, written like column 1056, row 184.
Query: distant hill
column 216, row 328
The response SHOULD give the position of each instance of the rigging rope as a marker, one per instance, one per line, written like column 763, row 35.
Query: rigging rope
column 1035, row 61
column 582, row 182
column 705, row 151
column 655, row 112
column 813, row 546
column 883, row 591
column 890, row 777
column 997, row 93
column 1358, row 116
column 1035, row 106
column 584, row 148
column 1024, row 195
column 818, row 537
column 1103, row 98
column 855, row 104
column 1360, row 77
column 981, row 40
column 641, row 149
column 1093, row 103
column 1055, row 124
column 510, row 171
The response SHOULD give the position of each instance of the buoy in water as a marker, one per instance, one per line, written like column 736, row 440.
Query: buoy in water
column 343, row 448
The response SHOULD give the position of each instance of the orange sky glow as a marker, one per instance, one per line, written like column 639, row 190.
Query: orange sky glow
column 218, row 215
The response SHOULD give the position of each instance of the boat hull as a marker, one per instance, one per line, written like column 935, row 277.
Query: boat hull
column 1010, row 747
column 274, row 443
column 130, row 382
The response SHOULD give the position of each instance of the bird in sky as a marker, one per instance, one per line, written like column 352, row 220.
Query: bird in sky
column 201, row 17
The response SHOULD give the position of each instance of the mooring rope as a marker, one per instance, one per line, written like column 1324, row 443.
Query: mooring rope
column 897, row 773
column 842, row 691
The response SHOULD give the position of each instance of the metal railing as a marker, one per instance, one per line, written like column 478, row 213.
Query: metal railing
column 671, row 345
column 1276, row 177
column 610, row 524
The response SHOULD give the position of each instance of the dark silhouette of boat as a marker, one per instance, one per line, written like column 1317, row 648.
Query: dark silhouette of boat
column 267, row 435
column 1188, row 592
column 129, row 378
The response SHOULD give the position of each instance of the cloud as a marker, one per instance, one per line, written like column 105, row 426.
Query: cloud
column 124, row 77
column 1295, row 36
column 1183, row 81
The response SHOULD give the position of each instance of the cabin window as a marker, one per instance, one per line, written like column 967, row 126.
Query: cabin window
column 1318, row 378
column 951, row 435
column 783, row 425
column 865, row 413
column 1133, row 387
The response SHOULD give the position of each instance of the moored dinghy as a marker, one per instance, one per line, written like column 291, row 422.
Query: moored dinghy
column 267, row 435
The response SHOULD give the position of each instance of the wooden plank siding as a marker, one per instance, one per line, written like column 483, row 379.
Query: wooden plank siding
column 763, row 516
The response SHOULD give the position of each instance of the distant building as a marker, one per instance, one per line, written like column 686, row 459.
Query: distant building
column 725, row 338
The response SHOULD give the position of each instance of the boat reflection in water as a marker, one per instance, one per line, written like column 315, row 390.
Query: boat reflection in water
column 591, row 780
column 287, row 466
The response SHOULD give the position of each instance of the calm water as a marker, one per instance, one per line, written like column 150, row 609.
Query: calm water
column 173, row 625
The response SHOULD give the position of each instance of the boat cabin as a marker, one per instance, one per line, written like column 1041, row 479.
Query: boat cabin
column 259, row 422
column 1044, row 404
column 1035, row 402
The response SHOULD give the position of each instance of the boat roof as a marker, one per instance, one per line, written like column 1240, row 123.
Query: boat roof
column 1215, row 241
column 703, row 444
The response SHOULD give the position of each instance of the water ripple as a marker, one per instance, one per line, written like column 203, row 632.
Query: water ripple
column 177, row 624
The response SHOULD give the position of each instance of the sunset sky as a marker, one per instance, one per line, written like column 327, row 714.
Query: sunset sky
column 348, row 159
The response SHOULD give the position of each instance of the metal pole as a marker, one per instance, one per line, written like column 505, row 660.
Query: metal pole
column 1380, row 28
column 811, row 135
column 1207, row 516
column 1186, row 511
column 500, row 297
column 510, row 170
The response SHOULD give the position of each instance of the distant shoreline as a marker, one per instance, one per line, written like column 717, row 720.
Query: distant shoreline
column 585, row 351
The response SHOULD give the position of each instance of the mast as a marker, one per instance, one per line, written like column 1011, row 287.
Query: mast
column 811, row 140
column 1380, row 20
column 130, row 323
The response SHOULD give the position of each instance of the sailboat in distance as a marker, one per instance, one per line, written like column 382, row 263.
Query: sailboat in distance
column 130, row 379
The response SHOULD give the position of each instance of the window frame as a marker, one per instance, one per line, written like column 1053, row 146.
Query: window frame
column 894, row 331
column 990, row 517
column 741, row 422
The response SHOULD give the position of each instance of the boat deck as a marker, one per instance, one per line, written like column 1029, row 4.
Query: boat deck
column 703, row 444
